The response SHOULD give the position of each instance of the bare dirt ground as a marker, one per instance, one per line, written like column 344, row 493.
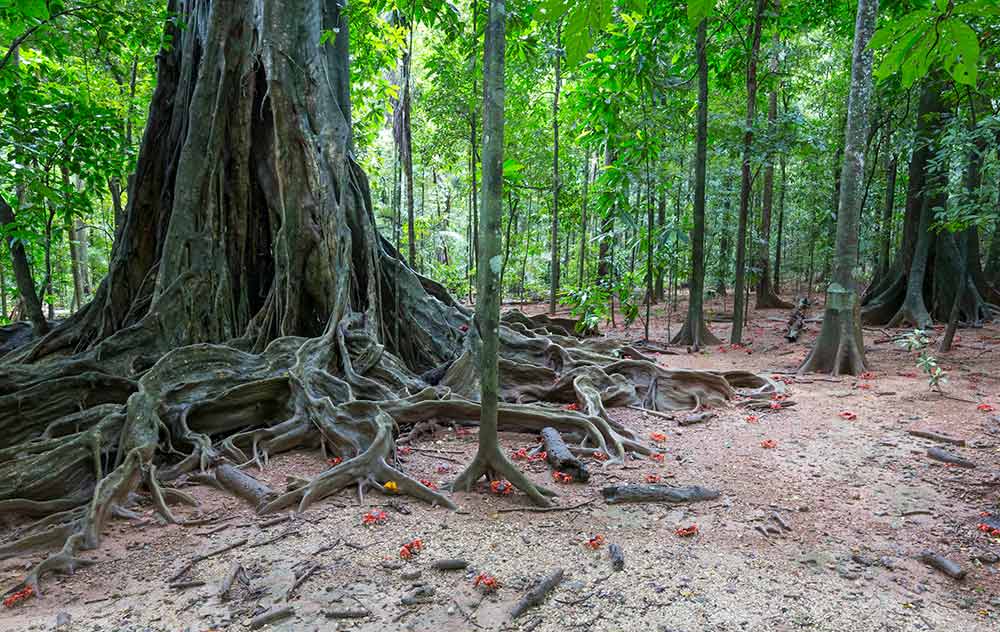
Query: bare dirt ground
column 861, row 497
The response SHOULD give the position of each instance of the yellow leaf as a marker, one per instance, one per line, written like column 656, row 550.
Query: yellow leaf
column 391, row 486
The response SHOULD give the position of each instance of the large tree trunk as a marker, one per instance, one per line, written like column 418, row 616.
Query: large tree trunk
column 921, row 283
column 840, row 348
column 695, row 332
column 739, row 286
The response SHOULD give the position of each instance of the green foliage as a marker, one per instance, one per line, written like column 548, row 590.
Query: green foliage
column 940, row 35
column 918, row 340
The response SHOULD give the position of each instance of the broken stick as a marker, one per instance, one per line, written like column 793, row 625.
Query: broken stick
column 537, row 594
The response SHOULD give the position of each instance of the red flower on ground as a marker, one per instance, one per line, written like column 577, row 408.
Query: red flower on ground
column 374, row 517
column 405, row 450
column 502, row 487
column 562, row 477
column 520, row 454
column 658, row 457
column 990, row 531
column 600, row 456
column 752, row 419
column 658, row 437
column 442, row 468
column 768, row 444
column 335, row 461
column 775, row 405
column 868, row 375
column 486, row 583
column 848, row 415
column 652, row 478
column 595, row 542
column 985, row 408
column 686, row 532
column 428, row 484
column 22, row 595
column 573, row 406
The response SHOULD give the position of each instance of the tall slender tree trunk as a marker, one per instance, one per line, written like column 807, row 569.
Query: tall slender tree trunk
column 554, row 262
column 766, row 294
column 840, row 348
column 779, row 246
column 607, row 228
column 885, row 226
column 406, row 145
column 695, row 332
column 661, row 221
column 489, row 459
column 582, row 269
column 745, row 186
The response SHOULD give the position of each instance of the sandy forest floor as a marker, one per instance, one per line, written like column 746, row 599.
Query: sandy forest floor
column 861, row 497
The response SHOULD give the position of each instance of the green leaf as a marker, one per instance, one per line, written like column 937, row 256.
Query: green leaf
column 698, row 10
column 960, row 51
column 982, row 8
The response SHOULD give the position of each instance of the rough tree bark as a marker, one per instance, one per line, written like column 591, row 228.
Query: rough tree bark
column 739, row 285
column 695, row 331
column 840, row 348
column 767, row 297
column 22, row 273
column 928, row 270
column 251, row 307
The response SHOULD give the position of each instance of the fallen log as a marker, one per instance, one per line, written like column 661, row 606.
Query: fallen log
column 270, row 617
column 946, row 566
column 450, row 565
column 934, row 436
column 947, row 457
column 241, row 485
column 558, row 455
column 617, row 556
column 635, row 493
column 696, row 418
column 346, row 614
column 537, row 594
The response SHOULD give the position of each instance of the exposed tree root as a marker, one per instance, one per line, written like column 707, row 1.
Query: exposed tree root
column 202, row 404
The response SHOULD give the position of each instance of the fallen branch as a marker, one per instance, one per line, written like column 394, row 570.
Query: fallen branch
column 204, row 556
column 270, row 617
column 946, row 566
column 635, row 493
column 654, row 413
column 947, row 457
column 450, row 565
column 235, row 571
column 537, row 594
column 696, row 418
column 934, row 436
column 534, row 509
column 300, row 579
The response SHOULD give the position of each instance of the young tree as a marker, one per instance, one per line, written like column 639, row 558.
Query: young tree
column 556, row 184
column 767, row 296
column 840, row 348
column 739, row 286
column 695, row 332
column 490, row 460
